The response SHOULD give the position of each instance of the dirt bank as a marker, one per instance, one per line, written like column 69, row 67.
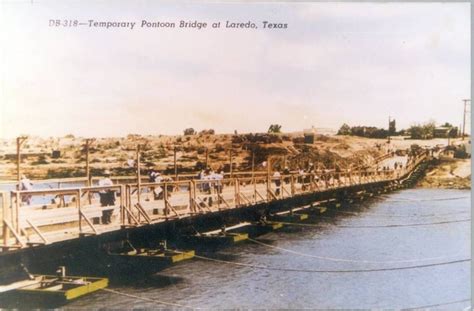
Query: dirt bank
column 448, row 174
column 118, row 153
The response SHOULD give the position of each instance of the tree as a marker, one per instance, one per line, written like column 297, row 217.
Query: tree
column 416, row 131
column 274, row 128
column 425, row 131
column 428, row 130
column 189, row 131
column 207, row 132
column 344, row 130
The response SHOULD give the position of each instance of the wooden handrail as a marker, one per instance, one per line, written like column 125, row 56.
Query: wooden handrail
column 328, row 179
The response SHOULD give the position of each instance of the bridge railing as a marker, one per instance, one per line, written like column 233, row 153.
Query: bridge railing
column 95, row 209
column 86, row 208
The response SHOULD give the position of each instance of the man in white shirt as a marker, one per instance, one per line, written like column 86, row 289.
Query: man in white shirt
column 26, row 185
column 107, row 197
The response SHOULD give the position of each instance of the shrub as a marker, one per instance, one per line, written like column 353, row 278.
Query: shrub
column 189, row 131
column 274, row 128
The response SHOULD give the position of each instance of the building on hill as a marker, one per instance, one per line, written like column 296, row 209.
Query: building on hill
column 445, row 132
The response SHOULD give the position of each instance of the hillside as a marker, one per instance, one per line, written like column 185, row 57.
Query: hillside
column 117, row 154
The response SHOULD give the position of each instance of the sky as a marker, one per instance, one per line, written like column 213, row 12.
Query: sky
column 335, row 63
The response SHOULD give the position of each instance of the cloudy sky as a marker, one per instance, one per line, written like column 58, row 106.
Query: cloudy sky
column 356, row 63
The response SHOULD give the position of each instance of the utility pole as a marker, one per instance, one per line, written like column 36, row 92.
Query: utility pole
column 253, row 162
column 19, row 141
column 230, row 161
column 175, row 164
column 268, row 177
column 269, row 169
column 388, row 136
column 89, row 142
column 138, row 174
column 207, row 157
column 466, row 101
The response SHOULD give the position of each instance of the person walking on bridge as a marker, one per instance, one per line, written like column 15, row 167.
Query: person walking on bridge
column 277, row 181
column 26, row 185
column 107, row 197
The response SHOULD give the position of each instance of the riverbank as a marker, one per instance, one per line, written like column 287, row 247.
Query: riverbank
column 448, row 173
column 192, row 153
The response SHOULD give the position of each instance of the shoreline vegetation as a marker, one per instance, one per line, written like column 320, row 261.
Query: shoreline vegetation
column 63, row 157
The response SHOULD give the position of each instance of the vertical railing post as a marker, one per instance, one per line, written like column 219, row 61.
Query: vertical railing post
column 165, row 198
column 268, row 178
column 236, row 192
column 254, row 181
column 12, row 208
column 216, row 191
column 268, row 188
column 122, row 202
column 16, row 212
column 129, row 203
column 6, row 233
column 292, row 180
column 282, row 187
column 190, row 186
column 194, row 195
column 78, row 205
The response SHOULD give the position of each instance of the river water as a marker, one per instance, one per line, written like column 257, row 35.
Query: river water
column 417, row 227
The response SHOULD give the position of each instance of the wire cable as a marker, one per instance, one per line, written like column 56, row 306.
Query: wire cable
column 438, row 304
column 398, row 215
column 407, row 225
column 424, row 200
column 377, row 226
column 156, row 301
column 159, row 302
column 330, row 271
column 343, row 259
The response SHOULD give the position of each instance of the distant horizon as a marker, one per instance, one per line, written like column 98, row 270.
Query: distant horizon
column 318, row 131
column 334, row 63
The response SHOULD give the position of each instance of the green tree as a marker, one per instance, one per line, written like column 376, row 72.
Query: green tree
column 189, row 131
column 344, row 130
column 425, row 131
column 274, row 128
column 416, row 131
column 428, row 130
